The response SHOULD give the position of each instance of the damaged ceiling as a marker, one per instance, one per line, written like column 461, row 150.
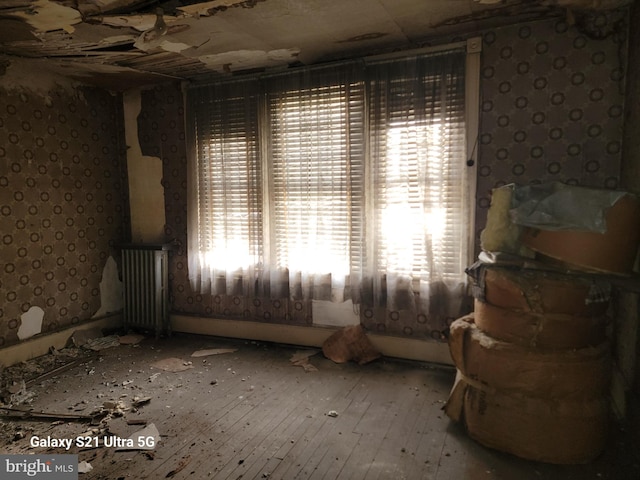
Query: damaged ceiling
column 118, row 44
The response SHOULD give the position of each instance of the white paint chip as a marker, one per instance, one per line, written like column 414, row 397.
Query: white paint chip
column 31, row 323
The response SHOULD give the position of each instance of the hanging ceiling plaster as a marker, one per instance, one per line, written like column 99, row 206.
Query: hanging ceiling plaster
column 146, row 41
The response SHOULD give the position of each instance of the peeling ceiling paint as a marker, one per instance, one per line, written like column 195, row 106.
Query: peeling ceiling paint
column 46, row 16
column 238, row 60
column 185, row 39
column 211, row 8
column 138, row 22
column 159, row 43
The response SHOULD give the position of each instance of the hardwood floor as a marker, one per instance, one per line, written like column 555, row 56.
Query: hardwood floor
column 251, row 414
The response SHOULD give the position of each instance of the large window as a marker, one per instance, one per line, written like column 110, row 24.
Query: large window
column 335, row 182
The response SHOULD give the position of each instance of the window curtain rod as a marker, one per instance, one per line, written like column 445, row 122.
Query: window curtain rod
column 372, row 59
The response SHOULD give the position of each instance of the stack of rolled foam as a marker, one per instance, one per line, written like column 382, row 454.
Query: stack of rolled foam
column 548, row 406
column 543, row 309
column 534, row 363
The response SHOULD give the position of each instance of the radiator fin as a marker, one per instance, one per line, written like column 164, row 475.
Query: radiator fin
column 145, row 281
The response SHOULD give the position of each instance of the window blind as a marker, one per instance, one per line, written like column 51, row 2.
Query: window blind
column 230, row 202
column 417, row 108
column 316, row 125
column 328, row 181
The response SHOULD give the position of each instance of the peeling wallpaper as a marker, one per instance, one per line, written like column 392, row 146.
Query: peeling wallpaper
column 63, row 203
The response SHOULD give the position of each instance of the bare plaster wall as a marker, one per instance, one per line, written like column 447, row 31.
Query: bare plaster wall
column 146, row 192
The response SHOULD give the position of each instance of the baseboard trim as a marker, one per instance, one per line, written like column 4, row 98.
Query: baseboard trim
column 398, row 347
column 40, row 344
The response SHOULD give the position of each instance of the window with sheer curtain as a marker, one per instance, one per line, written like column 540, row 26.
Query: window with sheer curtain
column 339, row 182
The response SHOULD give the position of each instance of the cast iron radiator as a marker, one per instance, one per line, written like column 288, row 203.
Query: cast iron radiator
column 145, row 284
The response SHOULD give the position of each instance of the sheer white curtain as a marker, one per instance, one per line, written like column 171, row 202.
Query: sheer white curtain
column 339, row 182
column 315, row 159
column 420, row 207
column 225, row 188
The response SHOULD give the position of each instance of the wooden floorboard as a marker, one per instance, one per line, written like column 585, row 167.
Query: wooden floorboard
column 394, row 452
column 251, row 414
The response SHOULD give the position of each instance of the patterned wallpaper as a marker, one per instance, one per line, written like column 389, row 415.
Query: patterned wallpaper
column 551, row 110
column 63, row 203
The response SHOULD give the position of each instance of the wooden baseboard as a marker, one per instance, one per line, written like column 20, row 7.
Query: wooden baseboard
column 398, row 347
column 40, row 344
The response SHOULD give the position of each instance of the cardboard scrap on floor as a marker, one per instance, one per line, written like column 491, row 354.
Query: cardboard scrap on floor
column 172, row 365
column 350, row 343
column 301, row 359
column 213, row 351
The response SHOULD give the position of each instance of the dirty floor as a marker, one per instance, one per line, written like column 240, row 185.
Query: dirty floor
column 252, row 414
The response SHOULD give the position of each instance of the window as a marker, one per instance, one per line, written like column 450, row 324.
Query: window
column 316, row 167
column 335, row 182
column 229, row 187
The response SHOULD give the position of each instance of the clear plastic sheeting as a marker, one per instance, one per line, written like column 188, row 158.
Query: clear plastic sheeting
column 557, row 206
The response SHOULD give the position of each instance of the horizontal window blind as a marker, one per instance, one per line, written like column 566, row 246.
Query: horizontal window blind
column 316, row 178
column 336, row 175
column 230, row 177
column 418, row 148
